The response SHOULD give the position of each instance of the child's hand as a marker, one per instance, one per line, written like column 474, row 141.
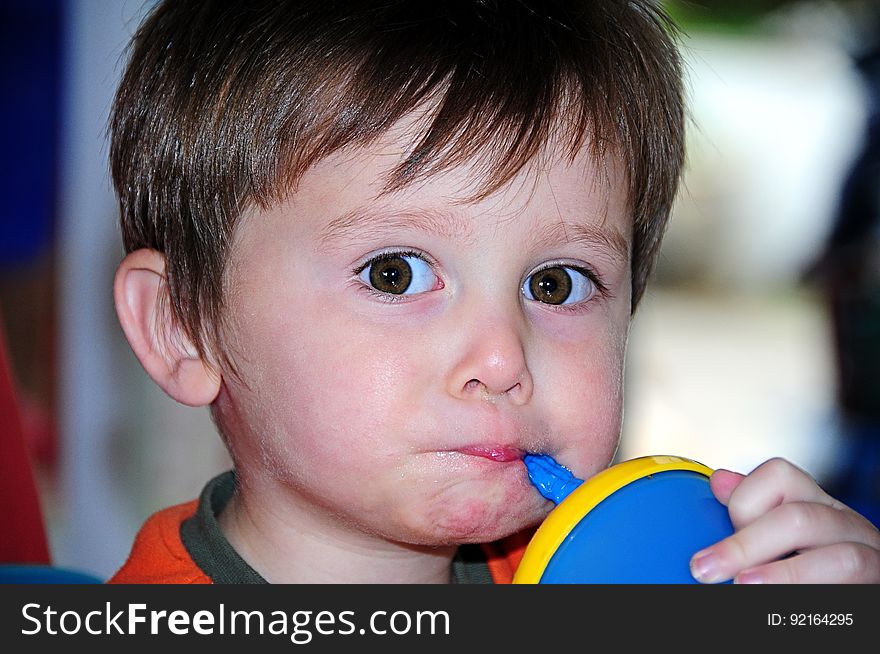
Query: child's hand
column 788, row 531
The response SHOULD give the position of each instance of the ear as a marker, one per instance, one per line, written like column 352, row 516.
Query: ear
column 158, row 341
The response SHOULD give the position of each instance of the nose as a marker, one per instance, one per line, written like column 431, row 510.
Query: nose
column 491, row 364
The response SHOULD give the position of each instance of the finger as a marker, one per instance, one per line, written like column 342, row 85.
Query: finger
column 723, row 482
column 771, row 484
column 791, row 527
column 841, row 563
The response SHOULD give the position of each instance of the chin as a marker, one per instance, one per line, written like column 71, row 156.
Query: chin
column 479, row 520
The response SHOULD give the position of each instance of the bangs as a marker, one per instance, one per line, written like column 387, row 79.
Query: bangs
column 500, row 84
column 287, row 86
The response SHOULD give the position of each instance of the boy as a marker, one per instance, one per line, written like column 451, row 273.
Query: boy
column 394, row 248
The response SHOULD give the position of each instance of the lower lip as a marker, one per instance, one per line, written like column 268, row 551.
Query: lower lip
column 499, row 454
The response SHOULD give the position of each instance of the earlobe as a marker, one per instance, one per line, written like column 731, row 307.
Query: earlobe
column 157, row 339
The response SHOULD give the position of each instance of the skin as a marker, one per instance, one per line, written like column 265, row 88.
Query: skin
column 371, row 437
column 417, row 447
column 788, row 531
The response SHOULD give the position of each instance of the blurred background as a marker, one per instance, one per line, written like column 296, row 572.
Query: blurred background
column 759, row 337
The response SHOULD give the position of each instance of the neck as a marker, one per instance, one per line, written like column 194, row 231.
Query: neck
column 286, row 540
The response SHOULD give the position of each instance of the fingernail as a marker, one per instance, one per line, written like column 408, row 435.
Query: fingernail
column 706, row 567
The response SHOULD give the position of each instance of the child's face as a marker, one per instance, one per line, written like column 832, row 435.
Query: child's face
column 398, row 360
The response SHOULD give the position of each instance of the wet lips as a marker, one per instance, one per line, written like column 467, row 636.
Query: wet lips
column 500, row 454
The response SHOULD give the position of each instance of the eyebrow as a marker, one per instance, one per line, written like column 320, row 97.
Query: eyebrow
column 369, row 222
column 604, row 238
column 372, row 222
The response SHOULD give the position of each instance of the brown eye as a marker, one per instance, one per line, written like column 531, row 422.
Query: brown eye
column 391, row 275
column 559, row 285
column 400, row 273
column 551, row 285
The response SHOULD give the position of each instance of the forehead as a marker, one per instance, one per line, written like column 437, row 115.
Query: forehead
column 582, row 194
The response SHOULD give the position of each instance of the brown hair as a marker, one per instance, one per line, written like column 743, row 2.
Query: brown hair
column 224, row 105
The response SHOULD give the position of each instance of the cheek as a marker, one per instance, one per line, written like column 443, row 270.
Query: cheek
column 333, row 385
column 354, row 375
column 585, row 396
column 318, row 421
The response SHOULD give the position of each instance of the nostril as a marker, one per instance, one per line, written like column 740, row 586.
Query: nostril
column 472, row 384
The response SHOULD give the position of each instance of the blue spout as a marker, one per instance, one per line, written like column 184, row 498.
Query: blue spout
column 553, row 481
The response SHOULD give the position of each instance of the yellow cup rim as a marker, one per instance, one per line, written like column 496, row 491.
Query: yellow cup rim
column 568, row 513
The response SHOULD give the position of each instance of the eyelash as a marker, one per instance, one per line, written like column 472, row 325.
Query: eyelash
column 390, row 298
column 601, row 289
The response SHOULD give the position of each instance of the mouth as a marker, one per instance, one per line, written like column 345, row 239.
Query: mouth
column 499, row 453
